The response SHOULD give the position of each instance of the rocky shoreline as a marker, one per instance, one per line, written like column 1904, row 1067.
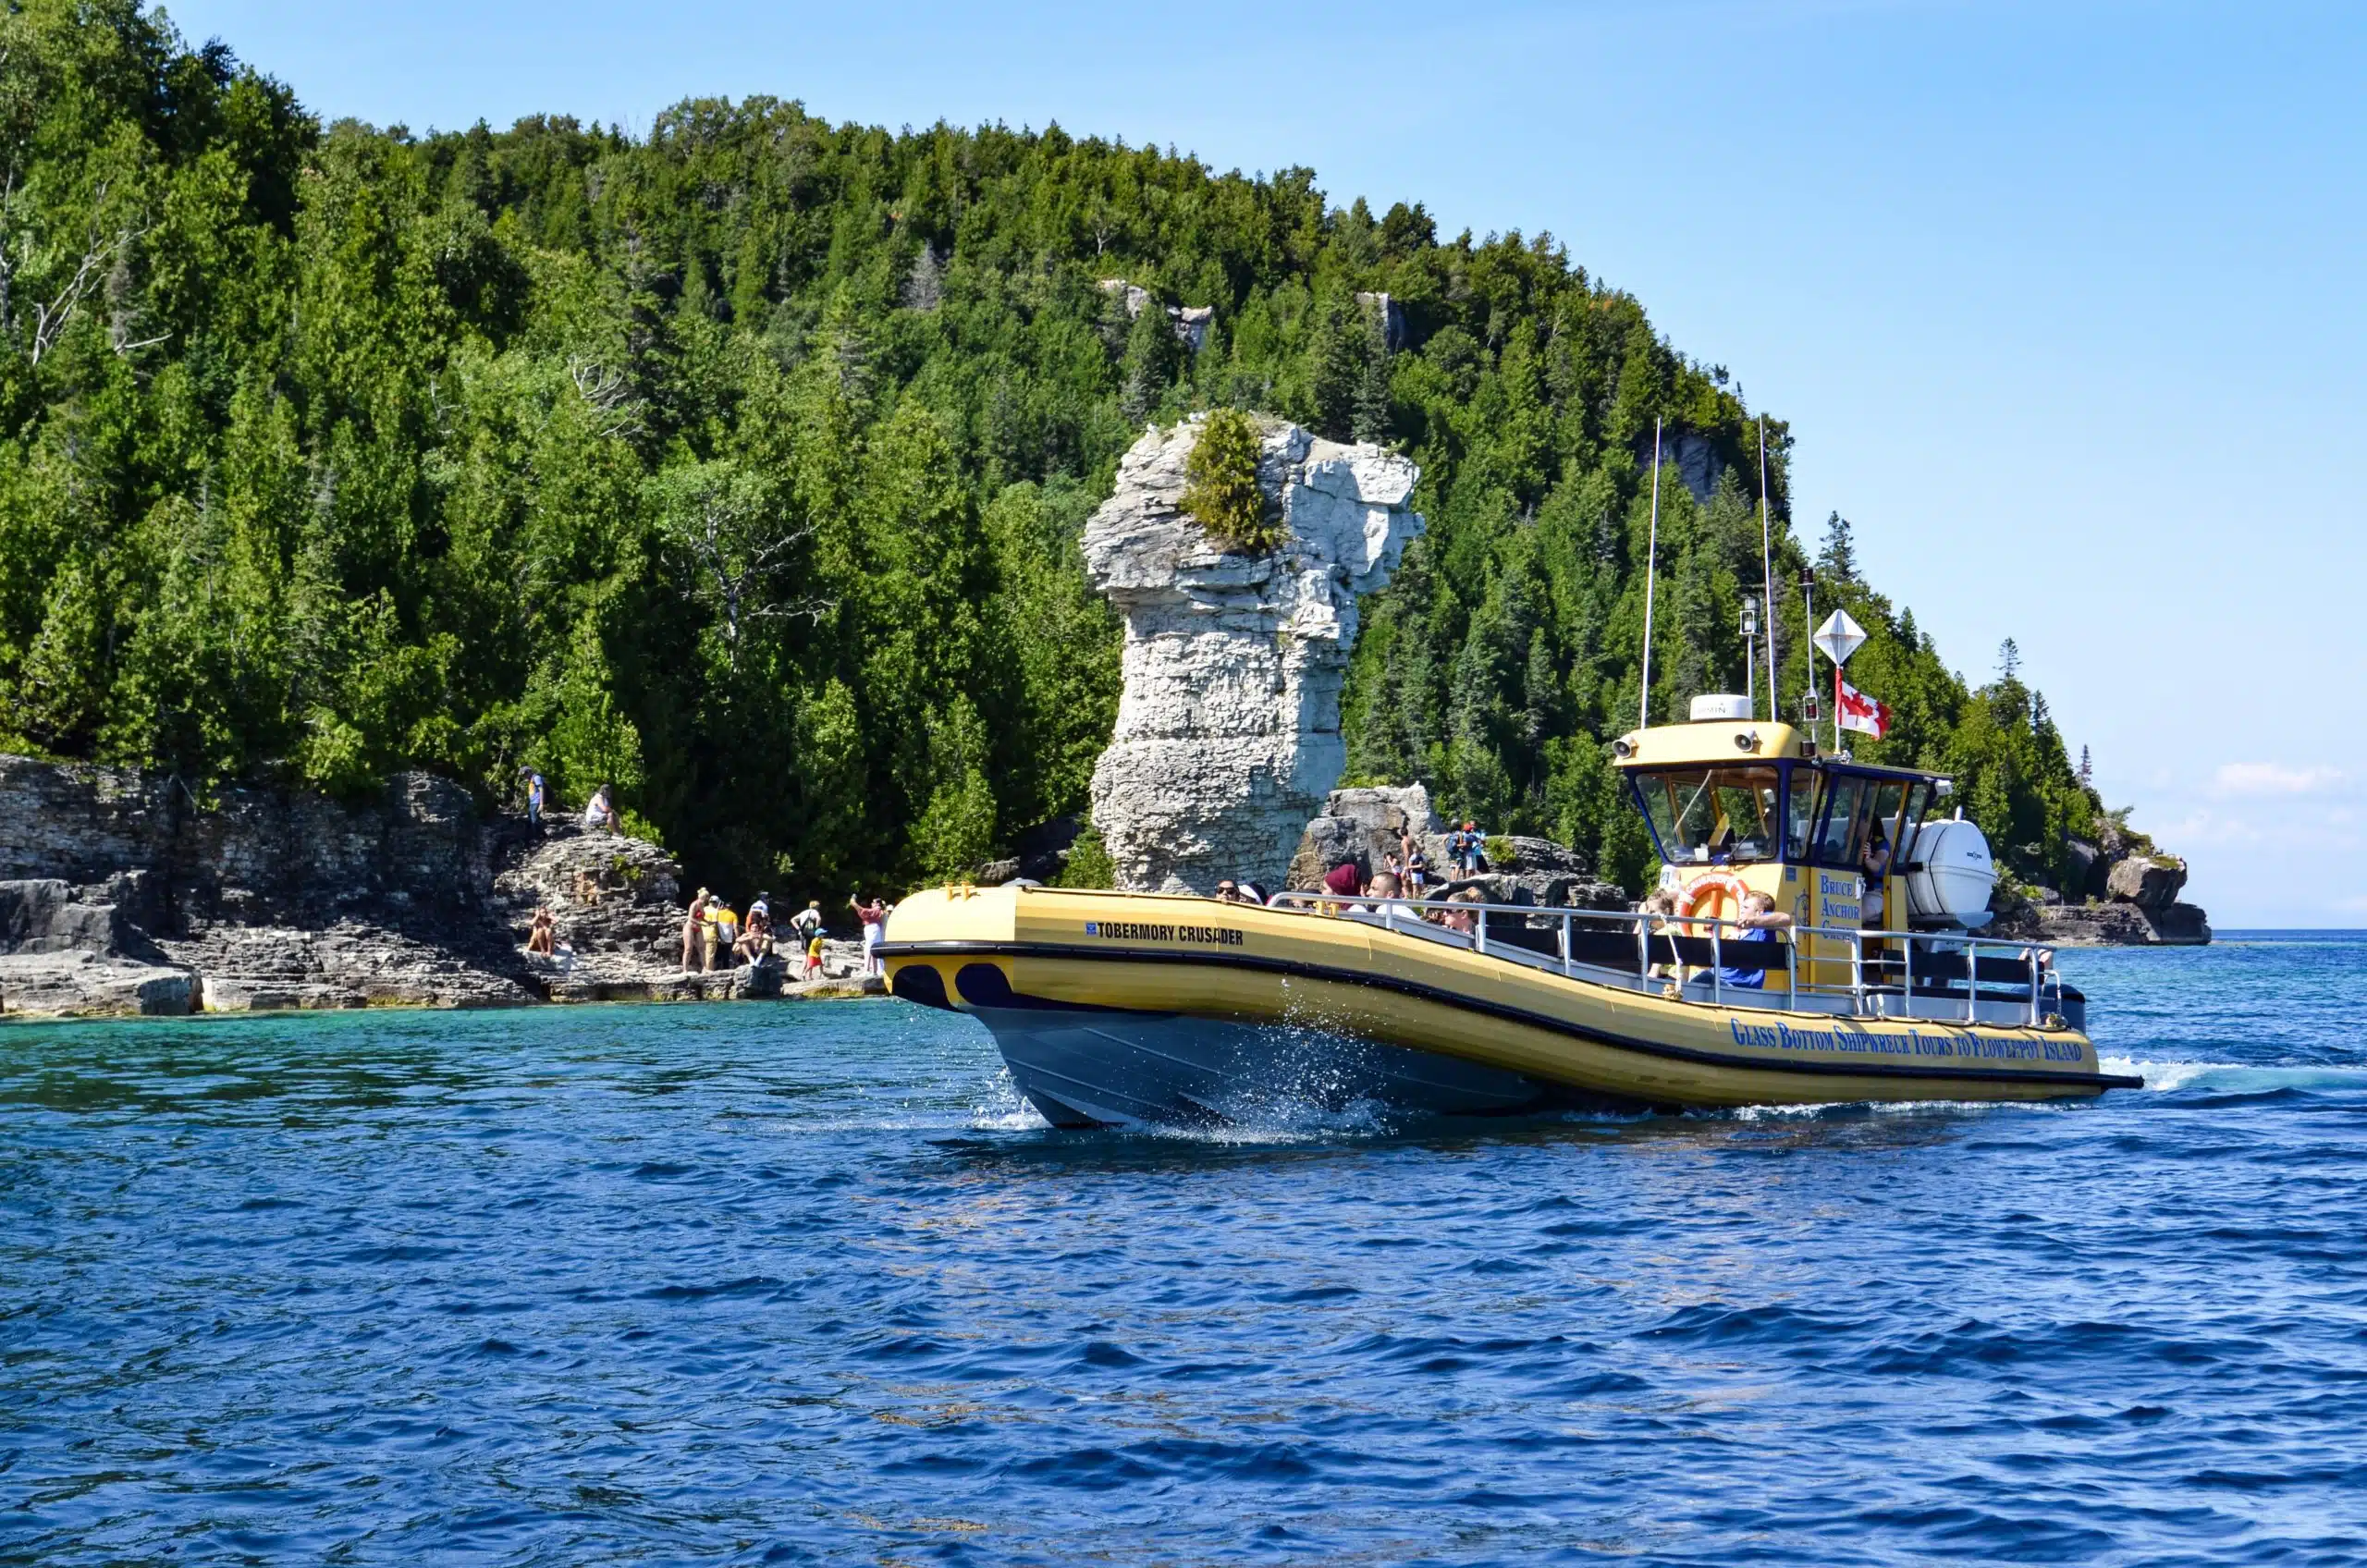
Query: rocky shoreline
column 122, row 894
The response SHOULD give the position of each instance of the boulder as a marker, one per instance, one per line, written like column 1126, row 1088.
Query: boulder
column 75, row 984
column 45, row 915
column 1362, row 826
column 1043, row 851
column 618, row 904
column 2147, row 881
column 1228, row 731
column 2089, row 868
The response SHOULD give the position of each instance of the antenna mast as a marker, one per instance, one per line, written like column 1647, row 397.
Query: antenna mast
column 1651, row 565
column 1767, row 578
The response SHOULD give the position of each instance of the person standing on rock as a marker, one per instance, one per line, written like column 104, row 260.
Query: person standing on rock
column 534, row 797
column 725, row 934
column 1416, row 863
column 874, row 916
column 1464, row 846
column 694, row 930
column 807, row 921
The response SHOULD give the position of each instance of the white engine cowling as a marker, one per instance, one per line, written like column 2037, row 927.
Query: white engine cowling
column 1955, row 876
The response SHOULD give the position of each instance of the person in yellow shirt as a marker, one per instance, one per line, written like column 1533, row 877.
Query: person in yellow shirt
column 723, row 927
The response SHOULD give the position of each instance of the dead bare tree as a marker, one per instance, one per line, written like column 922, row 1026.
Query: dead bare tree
column 605, row 392
column 51, row 317
column 737, row 540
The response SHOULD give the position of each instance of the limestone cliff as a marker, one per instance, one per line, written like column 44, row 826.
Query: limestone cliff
column 1228, row 732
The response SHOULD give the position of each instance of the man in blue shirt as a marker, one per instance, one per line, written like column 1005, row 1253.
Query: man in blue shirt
column 1760, row 921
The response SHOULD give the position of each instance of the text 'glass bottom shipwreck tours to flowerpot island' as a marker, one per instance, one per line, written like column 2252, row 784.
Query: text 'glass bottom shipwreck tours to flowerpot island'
column 1816, row 934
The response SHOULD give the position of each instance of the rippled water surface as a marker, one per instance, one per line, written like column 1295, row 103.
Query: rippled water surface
column 786, row 1283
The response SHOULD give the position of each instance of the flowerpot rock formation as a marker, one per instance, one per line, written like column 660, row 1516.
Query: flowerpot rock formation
column 1227, row 733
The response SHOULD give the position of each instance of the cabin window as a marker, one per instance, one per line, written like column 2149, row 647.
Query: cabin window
column 1890, row 797
column 1712, row 816
column 1802, row 802
column 1918, row 798
column 1843, row 819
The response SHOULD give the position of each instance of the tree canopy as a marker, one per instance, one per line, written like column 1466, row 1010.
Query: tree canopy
column 742, row 465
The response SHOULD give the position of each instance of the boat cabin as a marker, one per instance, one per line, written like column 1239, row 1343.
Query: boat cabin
column 1736, row 803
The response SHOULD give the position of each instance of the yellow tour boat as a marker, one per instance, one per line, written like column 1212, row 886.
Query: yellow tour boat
column 1129, row 1008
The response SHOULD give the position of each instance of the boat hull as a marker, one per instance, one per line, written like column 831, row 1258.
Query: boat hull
column 1145, row 1008
column 1114, row 1067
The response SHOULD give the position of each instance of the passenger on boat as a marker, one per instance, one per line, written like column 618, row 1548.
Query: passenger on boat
column 1232, row 892
column 1253, row 894
column 1875, row 864
column 1389, row 892
column 1659, row 906
column 1341, row 881
column 1760, row 921
column 1464, row 920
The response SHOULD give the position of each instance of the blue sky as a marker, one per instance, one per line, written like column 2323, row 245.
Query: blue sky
column 2063, row 301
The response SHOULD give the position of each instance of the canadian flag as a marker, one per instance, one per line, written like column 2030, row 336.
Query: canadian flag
column 1855, row 710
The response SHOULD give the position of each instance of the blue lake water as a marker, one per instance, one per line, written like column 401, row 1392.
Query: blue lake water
column 808, row 1283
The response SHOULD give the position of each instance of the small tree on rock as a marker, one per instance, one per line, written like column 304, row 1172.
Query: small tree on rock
column 1220, row 489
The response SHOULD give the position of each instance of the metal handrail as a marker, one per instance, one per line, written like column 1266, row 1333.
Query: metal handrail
column 2040, row 958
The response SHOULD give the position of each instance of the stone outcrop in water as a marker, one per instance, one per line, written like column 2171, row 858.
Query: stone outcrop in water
column 1228, row 734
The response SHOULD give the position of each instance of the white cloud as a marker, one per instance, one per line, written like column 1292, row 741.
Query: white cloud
column 2255, row 779
column 2207, row 828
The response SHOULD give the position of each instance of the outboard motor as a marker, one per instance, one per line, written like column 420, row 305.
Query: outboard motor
column 1949, row 875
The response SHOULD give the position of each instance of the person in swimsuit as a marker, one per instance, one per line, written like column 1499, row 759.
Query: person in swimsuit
column 695, row 931
column 874, row 916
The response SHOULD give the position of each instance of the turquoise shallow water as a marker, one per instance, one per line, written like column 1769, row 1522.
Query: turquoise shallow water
column 806, row 1283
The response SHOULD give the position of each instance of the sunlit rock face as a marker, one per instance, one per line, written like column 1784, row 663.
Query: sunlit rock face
column 1227, row 733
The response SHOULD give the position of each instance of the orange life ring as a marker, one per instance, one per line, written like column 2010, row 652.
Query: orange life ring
column 1708, row 897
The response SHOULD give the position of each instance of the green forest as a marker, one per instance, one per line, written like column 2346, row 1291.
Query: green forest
column 742, row 465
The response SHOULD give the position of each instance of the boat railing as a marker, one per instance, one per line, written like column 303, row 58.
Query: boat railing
column 2026, row 969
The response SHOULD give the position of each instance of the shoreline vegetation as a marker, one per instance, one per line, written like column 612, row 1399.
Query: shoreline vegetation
column 742, row 466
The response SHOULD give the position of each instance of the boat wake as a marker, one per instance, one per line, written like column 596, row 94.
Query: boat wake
column 2238, row 1078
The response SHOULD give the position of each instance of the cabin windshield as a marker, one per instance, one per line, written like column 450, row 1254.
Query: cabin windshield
column 1712, row 816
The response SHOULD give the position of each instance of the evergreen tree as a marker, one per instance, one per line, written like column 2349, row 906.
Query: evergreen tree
column 742, row 466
